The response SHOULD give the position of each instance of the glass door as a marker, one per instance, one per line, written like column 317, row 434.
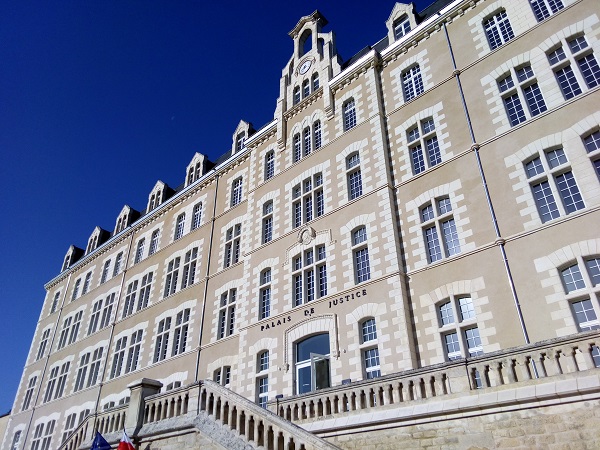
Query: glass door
column 312, row 363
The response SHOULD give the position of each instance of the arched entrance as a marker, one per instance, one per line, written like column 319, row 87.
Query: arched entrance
column 312, row 363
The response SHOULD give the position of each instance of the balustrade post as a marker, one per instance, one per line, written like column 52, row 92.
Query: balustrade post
column 138, row 391
column 583, row 357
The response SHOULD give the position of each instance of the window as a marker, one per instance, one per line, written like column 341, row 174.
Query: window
column 117, row 268
column 309, row 276
column 197, row 215
column 16, row 440
column 362, row 269
column 525, row 91
column 29, row 392
column 315, row 81
column 55, row 303
column 308, row 200
column 172, row 277
column 179, row 227
column 582, row 288
column 144, row 294
column 69, row 426
column 94, row 317
column 118, row 357
column 349, row 115
column 139, row 253
column 306, row 141
column 498, row 30
column 162, row 340
column 226, row 312
column 422, row 136
column 572, row 279
column 297, row 147
column 440, row 218
column 173, row 385
column 269, row 165
column 189, row 268
column 578, row 53
column 70, row 329
column 57, row 381
column 296, row 95
column 239, row 142
column 262, row 382
column 86, row 283
column 76, row 289
column 463, row 309
column 43, row 344
column 353, row 175
column 592, row 145
column 194, row 173
column 42, row 437
column 82, row 372
column 222, row 376
column 317, row 134
column 412, row 83
column 134, row 351
column 545, row 8
column 130, row 299
column 550, row 176
column 95, row 367
column 236, row 191
column 105, row 269
column 368, row 330
column 264, row 308
column 585, row 316
column 67, row 262
column 107, row 311
column 305, row 88
column 232, row 245
column 62, row 380
column 180, row 334
column 370, row 355
column 267, row 222
column 401, row 27
column 154, row 242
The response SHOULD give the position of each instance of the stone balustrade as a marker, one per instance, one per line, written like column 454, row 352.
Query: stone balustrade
column 169, row 404
column 274, row 428
column 544, row 359
column 255, row 424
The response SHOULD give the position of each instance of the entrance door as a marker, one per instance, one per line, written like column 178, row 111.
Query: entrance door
column 312, row 363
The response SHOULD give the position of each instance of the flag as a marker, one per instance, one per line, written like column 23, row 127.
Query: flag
column 125, row 443
column 100, row 443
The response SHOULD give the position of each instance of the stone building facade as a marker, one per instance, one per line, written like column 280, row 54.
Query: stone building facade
column 433, row 199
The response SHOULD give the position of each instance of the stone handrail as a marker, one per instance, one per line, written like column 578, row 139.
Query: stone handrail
column 540, row 360
column 519, row 364
column 254, row 423
column 108, row 421
column 169, row 404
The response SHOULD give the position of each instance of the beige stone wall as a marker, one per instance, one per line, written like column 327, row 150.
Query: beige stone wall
column 560, row 427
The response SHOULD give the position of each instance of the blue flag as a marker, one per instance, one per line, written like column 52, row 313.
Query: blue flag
column 100, row 443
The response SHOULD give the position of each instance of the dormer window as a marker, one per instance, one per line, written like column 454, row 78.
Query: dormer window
column 92, row 243
column 401, row 27
column 239, row 142
column 67, row 262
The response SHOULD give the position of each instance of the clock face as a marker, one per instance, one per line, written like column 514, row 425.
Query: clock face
column 305, row 66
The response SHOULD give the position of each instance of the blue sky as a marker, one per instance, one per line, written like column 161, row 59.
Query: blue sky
column 100, row 99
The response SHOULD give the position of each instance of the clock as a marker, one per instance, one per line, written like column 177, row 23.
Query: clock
column 305, row 66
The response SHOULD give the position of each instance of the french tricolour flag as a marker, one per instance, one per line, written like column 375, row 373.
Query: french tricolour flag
column 125, row 443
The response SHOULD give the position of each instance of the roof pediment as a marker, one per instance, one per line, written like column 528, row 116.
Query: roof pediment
column 314, row 17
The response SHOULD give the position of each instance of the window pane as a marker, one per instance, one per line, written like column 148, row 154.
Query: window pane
column 590, row 70
column 535, row 101
column 434, row 253
column 568, row 83
column 534, row 167
column 466, row 308
column 569, row 192
column 369, row 330
column 544, row 201
column 572, row 279
column 592, row 142
column 514, row 109
column 556, row 157
column 585, row 315
column 593, row 268
column 450, row 237
column 446, row 314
